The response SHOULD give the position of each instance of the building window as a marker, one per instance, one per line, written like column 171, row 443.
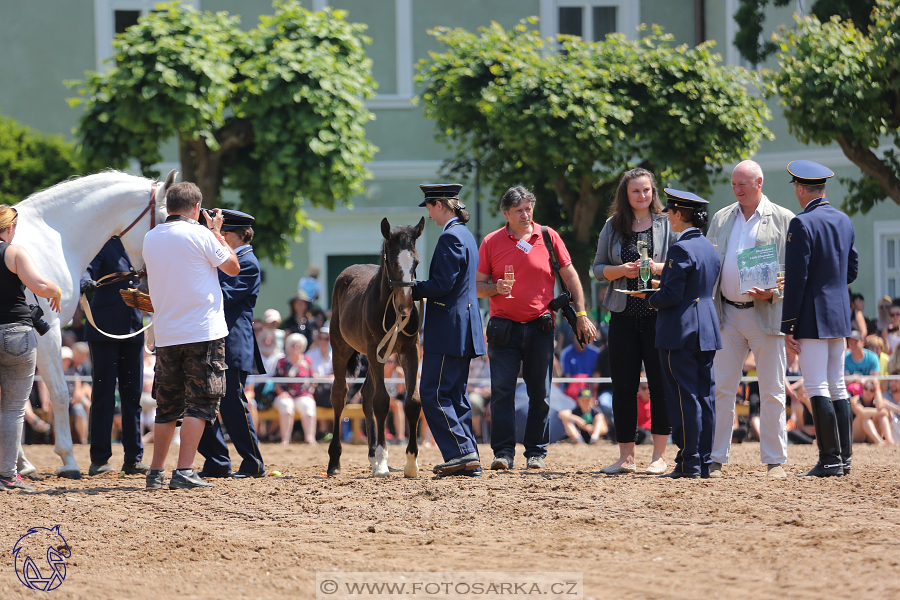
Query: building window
column 591, row 20
column 588, row 22
column 112, row 17
column 887, row 259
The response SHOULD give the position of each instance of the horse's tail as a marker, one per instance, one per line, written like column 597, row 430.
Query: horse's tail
column 353, row 364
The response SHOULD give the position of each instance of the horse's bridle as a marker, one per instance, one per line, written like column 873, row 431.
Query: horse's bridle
column 150, row 207
column 394, row 283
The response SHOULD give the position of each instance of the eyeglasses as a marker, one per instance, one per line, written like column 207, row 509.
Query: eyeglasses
column 895, row 313
column 869, row 388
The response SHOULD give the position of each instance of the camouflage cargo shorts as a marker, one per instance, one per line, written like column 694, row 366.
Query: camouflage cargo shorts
column 189, row 381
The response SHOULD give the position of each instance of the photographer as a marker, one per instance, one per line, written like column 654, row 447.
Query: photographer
column 521, row 327
column 18, row 343
column 190, row 327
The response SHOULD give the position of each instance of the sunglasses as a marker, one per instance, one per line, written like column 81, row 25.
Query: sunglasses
column 869, row 388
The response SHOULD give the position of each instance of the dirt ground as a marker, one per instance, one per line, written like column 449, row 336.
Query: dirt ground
column 631, row 536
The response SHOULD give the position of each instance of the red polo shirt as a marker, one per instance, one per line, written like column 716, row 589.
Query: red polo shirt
column 534, row 286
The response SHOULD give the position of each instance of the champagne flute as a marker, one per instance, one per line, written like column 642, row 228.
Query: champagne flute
column 509, row 276
column 644, row 271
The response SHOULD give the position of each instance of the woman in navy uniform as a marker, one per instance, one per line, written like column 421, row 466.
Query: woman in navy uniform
column 687, row 333
column 452, row 333
column 239, row 295
column 114, row 360
column 820, row 262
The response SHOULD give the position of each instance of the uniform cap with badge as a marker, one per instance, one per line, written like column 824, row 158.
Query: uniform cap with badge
column 806, row 172
column 232, row 219
column 442, row 191
column 686, row 200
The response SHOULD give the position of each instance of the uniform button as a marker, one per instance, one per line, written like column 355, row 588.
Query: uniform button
column 470, row 306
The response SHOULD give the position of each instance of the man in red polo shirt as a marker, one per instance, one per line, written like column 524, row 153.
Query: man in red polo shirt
column 520, row 332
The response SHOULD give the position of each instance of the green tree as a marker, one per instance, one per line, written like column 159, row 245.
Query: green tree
column 276, row 113
column 31, row 161
column 840, row 84
column 569, row 123
column 751, row 14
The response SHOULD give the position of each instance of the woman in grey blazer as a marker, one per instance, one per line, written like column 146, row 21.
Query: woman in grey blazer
column 632, row 326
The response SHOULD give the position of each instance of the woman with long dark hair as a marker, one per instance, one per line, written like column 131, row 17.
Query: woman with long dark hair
column 635, row 210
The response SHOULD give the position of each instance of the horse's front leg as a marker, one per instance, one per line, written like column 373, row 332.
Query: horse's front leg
column 412, row 407
column 49, row 362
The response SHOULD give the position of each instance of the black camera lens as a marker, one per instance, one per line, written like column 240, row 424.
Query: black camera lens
column 37, row 321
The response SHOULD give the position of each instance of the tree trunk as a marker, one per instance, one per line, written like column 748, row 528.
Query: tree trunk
column 202, row 166
column 872, row 166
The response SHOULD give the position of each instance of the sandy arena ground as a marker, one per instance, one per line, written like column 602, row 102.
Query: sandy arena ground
column 631, row 536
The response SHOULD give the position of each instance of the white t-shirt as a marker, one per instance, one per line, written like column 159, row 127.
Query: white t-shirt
column 182, row 260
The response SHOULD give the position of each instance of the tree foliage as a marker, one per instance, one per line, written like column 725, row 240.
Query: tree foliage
column 31, row 161
column 569, row 123
column 751, row 14
column 276, row 113
column 840, row 84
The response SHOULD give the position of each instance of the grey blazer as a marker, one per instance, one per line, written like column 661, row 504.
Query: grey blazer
column 772, row 230
column 609, row 252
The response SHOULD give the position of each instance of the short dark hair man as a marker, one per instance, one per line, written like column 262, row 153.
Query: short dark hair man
column 820, row 262
column 527, row 324
column 189, row 326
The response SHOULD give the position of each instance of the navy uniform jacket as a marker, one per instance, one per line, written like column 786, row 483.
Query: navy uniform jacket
column 239, row 294
column 452, row 319
column 110, row 312
column 820, row 262
column 687, row 316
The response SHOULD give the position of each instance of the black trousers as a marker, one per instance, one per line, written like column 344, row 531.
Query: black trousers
column 123, row 363
column 236, row 417
column 632, row 341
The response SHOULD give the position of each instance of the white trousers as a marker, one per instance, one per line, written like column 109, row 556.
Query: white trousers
column 740, row 334
column 822, row 366
column 305, row 405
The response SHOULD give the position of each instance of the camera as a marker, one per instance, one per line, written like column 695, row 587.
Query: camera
column 37, row 319
column 563, row 303
column 210, row 212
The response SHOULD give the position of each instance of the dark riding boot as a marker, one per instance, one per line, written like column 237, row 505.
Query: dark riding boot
column 845, row 430
column 827, row 438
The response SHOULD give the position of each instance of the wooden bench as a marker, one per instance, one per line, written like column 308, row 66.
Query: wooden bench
column 354, row 412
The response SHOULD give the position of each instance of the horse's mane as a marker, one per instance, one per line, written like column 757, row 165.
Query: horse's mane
column 84, row 183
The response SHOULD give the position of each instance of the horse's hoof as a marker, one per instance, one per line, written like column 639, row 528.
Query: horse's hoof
column 30, row 472
column 68, row 473
column 411, row 471
column 382, row 472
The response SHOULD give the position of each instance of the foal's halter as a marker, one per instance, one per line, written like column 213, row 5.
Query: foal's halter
column 151, row 206
column 390, row 336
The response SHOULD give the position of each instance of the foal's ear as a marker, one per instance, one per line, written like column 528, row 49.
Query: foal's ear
column 385, row 229
column 420, row 227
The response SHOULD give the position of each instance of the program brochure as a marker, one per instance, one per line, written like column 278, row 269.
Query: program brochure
column 758, row 267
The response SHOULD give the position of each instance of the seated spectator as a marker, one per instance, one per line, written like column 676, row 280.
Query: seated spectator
column 875, row 344
column 858, row 321
column 884, row 314
column 891, row 333
column 478, row 388
column 872, row 416
column 319, row 357
column 397, row 392
column 644, row 417
column 272, row 320
column 79, row 399
column 800, row 429
column 859, row 362
column 576, row 361
column 298, row 320
column 295, row 398
column 310, row 285
column 584, row 423
column 604, row 391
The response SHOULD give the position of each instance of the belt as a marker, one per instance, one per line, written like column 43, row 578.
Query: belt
column 739, row 305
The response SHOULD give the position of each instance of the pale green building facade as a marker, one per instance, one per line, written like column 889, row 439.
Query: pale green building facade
column 45, row 42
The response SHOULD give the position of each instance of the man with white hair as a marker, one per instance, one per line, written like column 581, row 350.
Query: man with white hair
column 749, row 319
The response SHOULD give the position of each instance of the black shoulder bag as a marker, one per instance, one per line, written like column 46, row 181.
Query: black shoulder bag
column 563, row 302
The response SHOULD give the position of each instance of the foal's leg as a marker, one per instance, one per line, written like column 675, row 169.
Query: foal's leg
column 380, row 405
column 412, row 406
column 340, row 353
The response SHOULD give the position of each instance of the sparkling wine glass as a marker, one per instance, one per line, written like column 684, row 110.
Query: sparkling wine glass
column 510, row 276
column 779, row 277
column 644, row 271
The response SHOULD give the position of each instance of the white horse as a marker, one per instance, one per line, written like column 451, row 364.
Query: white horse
column 63, row 228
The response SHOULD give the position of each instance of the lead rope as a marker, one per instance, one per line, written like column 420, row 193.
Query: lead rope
column 87, row 312
column 390, row 336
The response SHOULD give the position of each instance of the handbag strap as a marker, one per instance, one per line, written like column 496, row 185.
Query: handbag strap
column 554, row 261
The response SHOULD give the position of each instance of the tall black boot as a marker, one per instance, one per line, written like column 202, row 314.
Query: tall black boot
column 845, row 431
column 827, row 439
